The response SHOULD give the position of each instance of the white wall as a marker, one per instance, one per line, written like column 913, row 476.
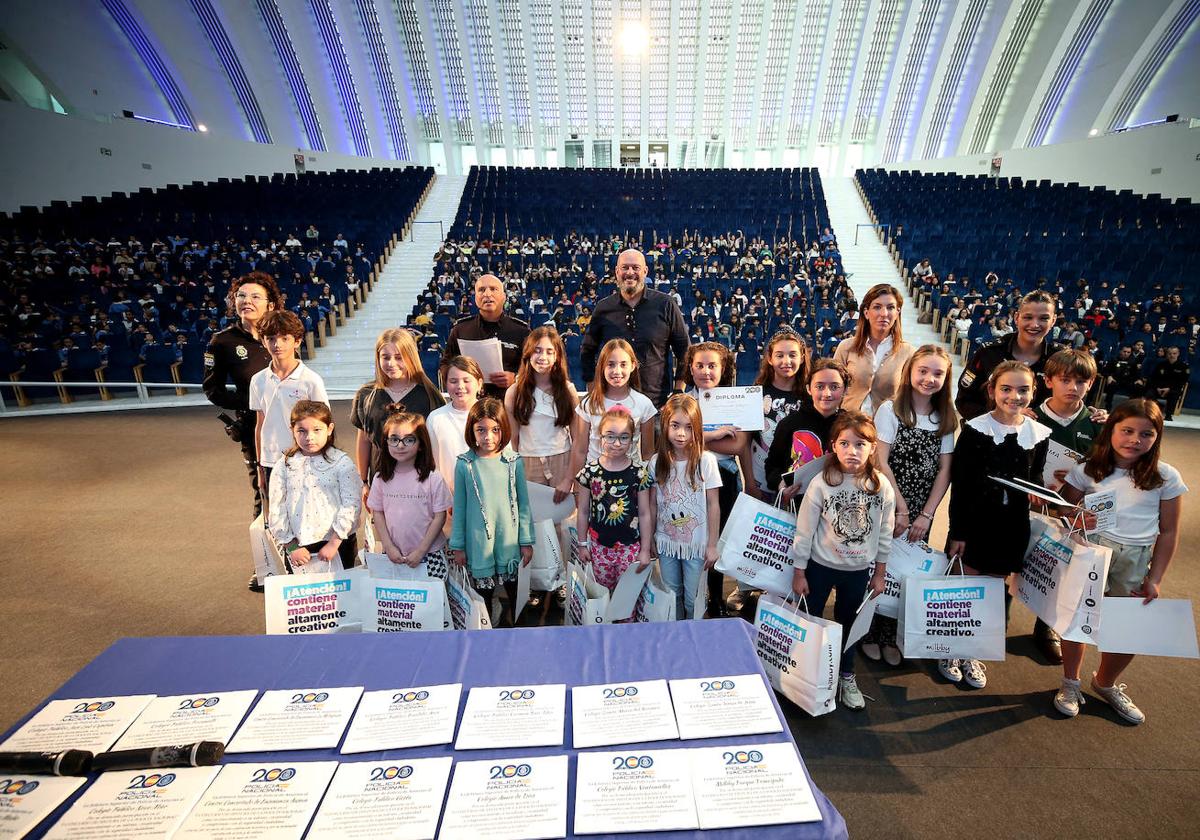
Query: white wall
column 1124, row 161
column 51, row 157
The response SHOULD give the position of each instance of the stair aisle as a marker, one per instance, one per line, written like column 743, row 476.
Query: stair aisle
column 869, row 261
column 345, row 362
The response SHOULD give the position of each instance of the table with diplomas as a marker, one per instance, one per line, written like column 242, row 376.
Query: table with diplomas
column 612, row 731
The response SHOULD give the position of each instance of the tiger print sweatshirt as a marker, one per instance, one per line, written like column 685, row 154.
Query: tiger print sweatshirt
column 844, row 526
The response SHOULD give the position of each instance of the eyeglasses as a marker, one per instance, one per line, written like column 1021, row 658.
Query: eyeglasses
column 407, row 440
column 611, row 438
column 256, row 298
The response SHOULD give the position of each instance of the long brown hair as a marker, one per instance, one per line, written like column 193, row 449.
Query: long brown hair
column 560, row 387
column 406, row 346
column 686, row 405
column 941, row 403
column 1102, row 460
column 863, row 426
column 862, row 330
column 766, row 373
column 594, row 404
column 727, row 371
column 385, row 464
column 304, row 409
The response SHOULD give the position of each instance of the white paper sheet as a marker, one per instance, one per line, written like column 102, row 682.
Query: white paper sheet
column 1104, row 505
column 542, row 505
column 513, row 716
column 1164, row 627
column 625, row 595
column 400, row 799
column 621, row 713
column 379, row 567
column 524, row 570
column 27, row 800
column 397, row 718
column 487, row 354
column 803, row 475
column 84, row 723
column 1033, row 489
column 271, row 800
column 716, row 707
column 508, row 799
column 755, row 784
column 134, row 804
column 741, row 407
column 634, row 791
column 297, row 719
column 1058, row 458
column 188, row 718
column 862, row 622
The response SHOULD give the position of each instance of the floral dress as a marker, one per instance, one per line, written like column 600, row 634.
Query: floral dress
column 613, row 527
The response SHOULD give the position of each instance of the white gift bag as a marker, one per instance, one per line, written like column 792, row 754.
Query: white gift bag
column 319, row 603
column 587, row 600
column 265, row 553
column 405, row 605
column 755, row 543
column 546, row 571
column 658, row 602
column 952, row 617
column 799, row 652
column 906, row 560
column 468, row 610
column 1062, row 580
column 596, row 610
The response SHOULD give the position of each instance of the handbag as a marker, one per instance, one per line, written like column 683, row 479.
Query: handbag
column 546, row 569
column 657, row 602
column 468, row 610
column 1062, row 580
column 799, row 652
column 952, row 617
column 405, row 605
column 318, row 603
column 754, row 545
column 906, row 560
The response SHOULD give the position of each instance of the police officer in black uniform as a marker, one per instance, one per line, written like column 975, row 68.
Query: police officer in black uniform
column 491, row 322
column 236, row 354
column 1168, row 379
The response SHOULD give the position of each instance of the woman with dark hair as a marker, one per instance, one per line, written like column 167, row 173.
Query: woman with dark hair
column 876, row 353
column 235, row 354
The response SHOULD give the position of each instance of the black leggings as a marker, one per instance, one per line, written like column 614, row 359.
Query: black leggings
column 347, row 551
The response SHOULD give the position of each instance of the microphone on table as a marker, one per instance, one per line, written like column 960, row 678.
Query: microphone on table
column 61, row 763
column 199, row 754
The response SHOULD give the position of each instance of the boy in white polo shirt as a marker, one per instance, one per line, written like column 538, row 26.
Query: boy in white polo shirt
column 275, row 389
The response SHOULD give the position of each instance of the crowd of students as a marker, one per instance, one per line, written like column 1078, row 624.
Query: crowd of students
column 653, row 483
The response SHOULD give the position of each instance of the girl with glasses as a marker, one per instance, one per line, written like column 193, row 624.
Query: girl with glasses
column 408, row 497
column 613, row 503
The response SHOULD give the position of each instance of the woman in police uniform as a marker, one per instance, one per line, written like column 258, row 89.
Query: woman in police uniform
column 236, row 354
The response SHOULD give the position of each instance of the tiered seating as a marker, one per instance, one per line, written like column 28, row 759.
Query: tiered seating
column 133, row 286
column 724, row 241
column 989, row 240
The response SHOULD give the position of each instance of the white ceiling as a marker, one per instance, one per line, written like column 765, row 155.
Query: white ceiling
column 742, row 82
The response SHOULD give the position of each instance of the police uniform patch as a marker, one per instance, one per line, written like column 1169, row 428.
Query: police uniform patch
column 966, row 379
column 242, row 352
column 209, row 361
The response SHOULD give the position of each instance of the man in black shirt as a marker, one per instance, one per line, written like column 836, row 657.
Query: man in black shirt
column 491, row 322
column 1121, row 376
column 648, row 319
column 1167, row 381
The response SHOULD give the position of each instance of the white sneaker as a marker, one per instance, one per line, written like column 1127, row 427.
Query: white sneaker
column 1069, row 698
column 950, row 670
column 974, row 673
column 848, row 693
column 870, row 649
column 1116, row 697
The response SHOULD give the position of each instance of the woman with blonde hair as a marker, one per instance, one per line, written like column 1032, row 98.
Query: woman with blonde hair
column 398, row 379
column 876, row 353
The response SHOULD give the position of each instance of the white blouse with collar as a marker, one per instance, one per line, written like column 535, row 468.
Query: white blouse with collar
column 315, row 498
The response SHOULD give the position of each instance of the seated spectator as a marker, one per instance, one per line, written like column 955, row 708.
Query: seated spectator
column 1167, row 381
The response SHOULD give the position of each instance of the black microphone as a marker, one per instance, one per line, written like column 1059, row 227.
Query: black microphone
column 63, row 763
column 199, row 754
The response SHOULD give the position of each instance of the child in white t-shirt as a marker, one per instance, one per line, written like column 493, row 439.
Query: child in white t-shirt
column 684, row 496
column 1143, row 538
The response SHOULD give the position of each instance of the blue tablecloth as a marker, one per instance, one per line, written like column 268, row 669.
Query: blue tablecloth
column 571, row 655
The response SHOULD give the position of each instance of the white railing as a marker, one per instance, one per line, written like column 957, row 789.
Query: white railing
column 142, row 395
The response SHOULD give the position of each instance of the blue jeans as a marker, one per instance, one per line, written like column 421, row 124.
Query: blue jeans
column 681, row 577
column 850, row 586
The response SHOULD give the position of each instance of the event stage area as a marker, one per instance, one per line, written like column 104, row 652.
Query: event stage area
column 134, row 524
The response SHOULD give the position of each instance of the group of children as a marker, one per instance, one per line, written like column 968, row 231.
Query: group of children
column 657, row 485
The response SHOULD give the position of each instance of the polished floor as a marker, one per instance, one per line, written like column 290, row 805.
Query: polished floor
column 134, row 524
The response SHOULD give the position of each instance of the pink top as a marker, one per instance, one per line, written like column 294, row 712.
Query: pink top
column 408, row 506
